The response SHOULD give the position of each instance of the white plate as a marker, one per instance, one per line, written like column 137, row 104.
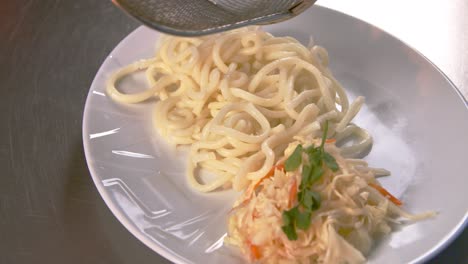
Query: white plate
column 418, row 119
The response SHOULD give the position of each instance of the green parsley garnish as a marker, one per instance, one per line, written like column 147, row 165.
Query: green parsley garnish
column 295, row 160
column 330, row 161
column 319, row 160
column 303, row 220
column 289, row 218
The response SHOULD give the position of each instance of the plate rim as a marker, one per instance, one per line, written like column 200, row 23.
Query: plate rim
column 174, row 257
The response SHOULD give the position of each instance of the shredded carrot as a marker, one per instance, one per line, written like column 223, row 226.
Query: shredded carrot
column 292, row 192
column 256, row 254
column 269, row 174
column 330, row 140
column 385, row 193
column 255, row 214
column 272, row 171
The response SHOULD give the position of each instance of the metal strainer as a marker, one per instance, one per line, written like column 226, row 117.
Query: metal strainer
column 201, row 17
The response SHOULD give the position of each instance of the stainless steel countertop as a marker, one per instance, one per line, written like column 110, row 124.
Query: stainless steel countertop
column 50, row 50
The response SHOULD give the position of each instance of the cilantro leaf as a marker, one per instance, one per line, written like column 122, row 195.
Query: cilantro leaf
column 290, row 231
column 290, row 215
column 315, row 157
column 286, row 218
column 293, row 162
column 330, row 161
column 310, row 175
column 310, row 200
column 306, row 173
column 310, row 149
column 317, row 200
column 324, row 136
column 307, row 200
column 303, row 220
column 316, row 174
column 300, row 197
column 289, row 218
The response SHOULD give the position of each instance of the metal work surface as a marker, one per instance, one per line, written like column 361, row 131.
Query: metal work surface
column 50, row 50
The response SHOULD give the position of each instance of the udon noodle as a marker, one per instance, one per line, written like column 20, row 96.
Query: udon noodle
column 238, row 98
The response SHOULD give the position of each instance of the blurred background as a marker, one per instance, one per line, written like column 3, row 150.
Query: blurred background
column 50, row 50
